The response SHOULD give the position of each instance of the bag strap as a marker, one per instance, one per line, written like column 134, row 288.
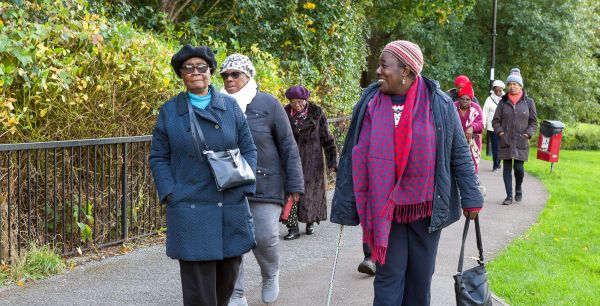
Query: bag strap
column 197, row 135
column 479, row 243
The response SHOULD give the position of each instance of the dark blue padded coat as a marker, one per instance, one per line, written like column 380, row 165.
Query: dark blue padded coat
column 202, row 223
column 454, row 170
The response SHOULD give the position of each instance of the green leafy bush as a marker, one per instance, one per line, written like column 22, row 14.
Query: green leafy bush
column 69, row 73
column 581, row 136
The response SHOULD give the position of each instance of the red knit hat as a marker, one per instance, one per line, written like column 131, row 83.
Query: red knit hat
column 407, row 53
column 466, row 90
column 461, row 80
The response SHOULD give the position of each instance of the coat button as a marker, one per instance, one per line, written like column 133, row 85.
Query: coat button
column 217, row 126
column 219, row 204
column 192, row 206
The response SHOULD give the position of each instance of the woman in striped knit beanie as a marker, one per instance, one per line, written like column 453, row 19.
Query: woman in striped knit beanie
column 404, row 145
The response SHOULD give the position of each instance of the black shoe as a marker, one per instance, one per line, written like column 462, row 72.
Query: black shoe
column 310, row 228
column 367, row 267
column 293, row 233
column 518, row 196
column 507, row 201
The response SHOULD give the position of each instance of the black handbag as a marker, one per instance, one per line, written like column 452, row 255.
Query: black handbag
column 228, row 167
column 471, row 286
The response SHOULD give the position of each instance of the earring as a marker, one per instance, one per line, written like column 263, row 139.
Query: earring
column 403, row 81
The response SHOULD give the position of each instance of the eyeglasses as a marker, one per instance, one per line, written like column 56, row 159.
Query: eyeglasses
column 189, row 69
column 234, row 75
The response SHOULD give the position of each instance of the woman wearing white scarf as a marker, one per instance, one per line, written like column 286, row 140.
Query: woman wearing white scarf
column 489, row 108
column 278, row 165
column 245, row 95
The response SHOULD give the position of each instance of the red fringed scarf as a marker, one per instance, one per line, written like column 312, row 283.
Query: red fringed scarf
column 394, row 181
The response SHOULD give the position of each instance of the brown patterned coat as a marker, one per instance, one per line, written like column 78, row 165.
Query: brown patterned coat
column 313, row 139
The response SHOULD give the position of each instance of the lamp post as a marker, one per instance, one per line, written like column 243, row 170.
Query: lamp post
column 493, row 57
column 492, row 64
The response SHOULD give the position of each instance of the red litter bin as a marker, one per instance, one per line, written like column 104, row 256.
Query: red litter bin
column 549, row 141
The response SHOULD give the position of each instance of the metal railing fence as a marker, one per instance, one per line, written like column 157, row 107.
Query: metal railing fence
column 75, row 195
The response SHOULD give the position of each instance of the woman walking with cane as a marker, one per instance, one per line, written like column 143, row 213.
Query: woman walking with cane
column 409, row 159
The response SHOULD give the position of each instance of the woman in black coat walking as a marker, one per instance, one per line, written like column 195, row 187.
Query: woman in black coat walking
column 312, row 135
column 515, row 122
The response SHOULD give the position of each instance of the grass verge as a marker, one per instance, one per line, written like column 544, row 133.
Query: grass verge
column 36, row 263
column 557, row 262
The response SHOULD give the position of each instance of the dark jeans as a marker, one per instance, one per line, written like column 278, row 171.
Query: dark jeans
column 405, row 278
column 367, row 251
column 507, row 175
column 208, row 282
column 494, row 144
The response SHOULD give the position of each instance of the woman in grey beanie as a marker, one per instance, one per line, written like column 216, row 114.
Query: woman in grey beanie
column 515, row 122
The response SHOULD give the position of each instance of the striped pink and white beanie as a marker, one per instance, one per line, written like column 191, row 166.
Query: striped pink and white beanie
column 408, row 53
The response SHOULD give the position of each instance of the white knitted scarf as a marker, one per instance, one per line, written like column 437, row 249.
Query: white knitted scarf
column 245, row 95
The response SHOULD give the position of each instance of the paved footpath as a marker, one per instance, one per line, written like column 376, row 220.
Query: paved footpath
column 148, row 277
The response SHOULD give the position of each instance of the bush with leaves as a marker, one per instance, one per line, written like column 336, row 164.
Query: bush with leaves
column 69, row 73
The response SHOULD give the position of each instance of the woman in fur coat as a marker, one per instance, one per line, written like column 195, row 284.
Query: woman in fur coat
column 312, row 135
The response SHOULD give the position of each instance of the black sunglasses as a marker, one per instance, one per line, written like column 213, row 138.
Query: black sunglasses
column 234, row 75
column 189, row 69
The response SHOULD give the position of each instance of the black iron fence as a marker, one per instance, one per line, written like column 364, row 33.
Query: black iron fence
column 76, row 194
column 80, row 194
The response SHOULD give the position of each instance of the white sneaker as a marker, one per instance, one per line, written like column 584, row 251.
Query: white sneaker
column 238, row 301
column 270, row 289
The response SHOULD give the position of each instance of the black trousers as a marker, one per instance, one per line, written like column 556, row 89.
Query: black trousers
column 208, row 283
column 367, row 251
column 405, row 278
column 509, row 164
column 493, row 140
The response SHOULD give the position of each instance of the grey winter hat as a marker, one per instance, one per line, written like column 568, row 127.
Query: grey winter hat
column 515, row 76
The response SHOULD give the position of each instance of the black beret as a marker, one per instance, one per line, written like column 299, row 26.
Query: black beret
column 188, row 51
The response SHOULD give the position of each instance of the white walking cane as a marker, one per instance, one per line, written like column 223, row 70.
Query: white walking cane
column 337, row 252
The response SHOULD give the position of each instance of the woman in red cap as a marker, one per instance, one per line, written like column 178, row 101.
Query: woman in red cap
column 312, row 135
column 471, row 119
column 459, row 83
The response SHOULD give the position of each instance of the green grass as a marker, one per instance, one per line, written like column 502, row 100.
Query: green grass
column 35, row 263
column 557, row 262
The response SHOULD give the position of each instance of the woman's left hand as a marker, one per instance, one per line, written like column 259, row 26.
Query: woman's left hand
column 469, row 133
column 295, row 196
column 470, row 214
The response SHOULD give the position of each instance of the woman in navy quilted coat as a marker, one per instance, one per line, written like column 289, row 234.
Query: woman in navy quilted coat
column 207, row 230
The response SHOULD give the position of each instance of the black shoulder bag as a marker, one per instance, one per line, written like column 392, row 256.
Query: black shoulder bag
column 229, row 168
column 471, row 286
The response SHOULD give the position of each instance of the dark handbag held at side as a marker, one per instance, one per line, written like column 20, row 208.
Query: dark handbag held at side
column 471, row 286
column 228, row 167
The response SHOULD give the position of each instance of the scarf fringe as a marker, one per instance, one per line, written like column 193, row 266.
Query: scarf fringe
column 413, row 212
column 377, row 252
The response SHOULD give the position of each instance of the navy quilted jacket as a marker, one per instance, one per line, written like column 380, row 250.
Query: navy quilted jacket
column 279, row 167
column 202, row 223
column 454, row 170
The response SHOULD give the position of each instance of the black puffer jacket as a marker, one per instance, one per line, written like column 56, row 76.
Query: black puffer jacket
column 278, row 164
